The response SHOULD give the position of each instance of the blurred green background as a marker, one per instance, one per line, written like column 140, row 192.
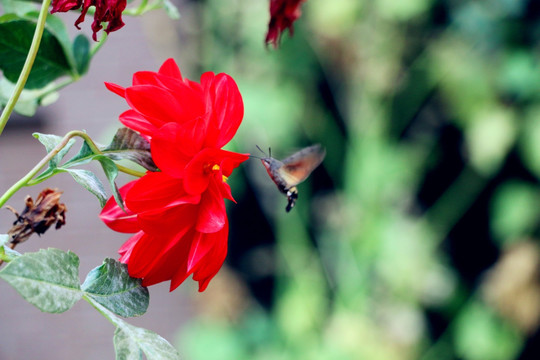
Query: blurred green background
column 418, row 236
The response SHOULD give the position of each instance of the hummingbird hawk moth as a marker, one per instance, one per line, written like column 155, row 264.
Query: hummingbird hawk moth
column 292, row 170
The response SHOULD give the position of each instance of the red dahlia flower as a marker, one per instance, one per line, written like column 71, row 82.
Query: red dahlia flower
column 283, row 13
column 178, row 214
column 106, row 11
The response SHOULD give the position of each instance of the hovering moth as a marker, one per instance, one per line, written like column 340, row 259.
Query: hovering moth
column 291, row 171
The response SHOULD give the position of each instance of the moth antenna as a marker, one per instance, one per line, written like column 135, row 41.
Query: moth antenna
column 269, row 152
column 255, row 157
column 261, row 150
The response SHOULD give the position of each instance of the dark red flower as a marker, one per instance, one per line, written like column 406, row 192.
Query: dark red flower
column 283, row 13
column 178, row 214
column 106, row 11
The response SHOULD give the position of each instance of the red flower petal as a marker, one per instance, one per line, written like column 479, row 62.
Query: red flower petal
column 117, row 89
column 205, row 259
column 137, row 122
column 170, row 68
column 169, row 221
column 212, row 215
column 199, row 170
column 214, row 258
column 155, row 103
column 126, row 249
column 226, row 192
column 232, row 161
column 151, row 252
column 172, row 263
column 223, row 96
column 157, row 191
column 174, row 145
column 115, row 218
column 145, row 78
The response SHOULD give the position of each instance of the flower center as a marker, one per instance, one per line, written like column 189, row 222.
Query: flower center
column 209, row 168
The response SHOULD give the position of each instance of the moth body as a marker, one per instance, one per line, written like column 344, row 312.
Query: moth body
column 292, row 170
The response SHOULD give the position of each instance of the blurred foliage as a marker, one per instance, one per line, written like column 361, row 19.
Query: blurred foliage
column 430, row 114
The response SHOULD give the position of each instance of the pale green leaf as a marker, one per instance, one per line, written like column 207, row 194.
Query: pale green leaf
column 50, row 142
column 171, row 9
column 125, row 347
column 111, row 286
column 128, row 338
column 90, row 182
column 48, row 279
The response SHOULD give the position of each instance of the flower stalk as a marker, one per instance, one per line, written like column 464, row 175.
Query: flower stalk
column 27, row 179
column 23, row 77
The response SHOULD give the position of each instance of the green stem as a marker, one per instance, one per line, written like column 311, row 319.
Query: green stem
column 98, row 46
column 26, row 180
column 23, row 77
column 96, row 150
column 129, row 171
column 60, row 85
column 102, row 310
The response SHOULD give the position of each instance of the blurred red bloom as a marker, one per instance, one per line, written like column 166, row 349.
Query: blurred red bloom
column 106, row 11
column 283, row 13
column 178, row 214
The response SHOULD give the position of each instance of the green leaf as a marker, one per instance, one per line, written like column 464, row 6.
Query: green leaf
column 6, row 253
column 111, row 286
column 50, row 142
column 15, row 39
column 130, row 145
column 130, row 341
column 171, row 9
column 90, row 182
column 48, row 279
column 81, row 53
column 126, row 144
column 125, row 348
column 57, row 27
column 111, row 172
column 29, row 100
column 86, row 155
column 17, row 7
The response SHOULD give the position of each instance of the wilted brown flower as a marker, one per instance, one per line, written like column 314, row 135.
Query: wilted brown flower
column 38, row 216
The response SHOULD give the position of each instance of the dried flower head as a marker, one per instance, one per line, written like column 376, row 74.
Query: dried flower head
column 38, row 216
column 109, row 11
column 283, row 13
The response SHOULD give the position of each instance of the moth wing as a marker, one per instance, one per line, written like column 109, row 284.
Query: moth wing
column 297, row 167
